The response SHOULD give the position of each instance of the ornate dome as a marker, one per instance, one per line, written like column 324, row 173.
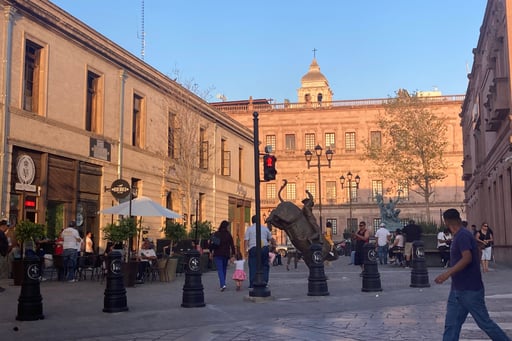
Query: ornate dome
column 314, row 74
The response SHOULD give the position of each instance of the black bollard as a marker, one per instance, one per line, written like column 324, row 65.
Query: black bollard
column 371, row 276
column 115, row 292
column 30, row 302
column 419, row 272
column 193, row 294
column 317, row 282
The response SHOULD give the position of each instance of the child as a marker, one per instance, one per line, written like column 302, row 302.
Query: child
column 239, row 274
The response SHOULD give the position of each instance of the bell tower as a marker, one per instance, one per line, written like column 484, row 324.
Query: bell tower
column 315, row 87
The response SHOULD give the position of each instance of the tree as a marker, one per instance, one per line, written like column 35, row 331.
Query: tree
column 189, row 143
column 412, row 147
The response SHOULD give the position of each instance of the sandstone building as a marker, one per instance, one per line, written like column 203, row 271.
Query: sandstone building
column 340, row 126
column 487, row 129
column 78, row 111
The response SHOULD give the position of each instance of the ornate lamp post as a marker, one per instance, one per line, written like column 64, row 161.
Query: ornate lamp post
column 318, row 152
column 357, row 179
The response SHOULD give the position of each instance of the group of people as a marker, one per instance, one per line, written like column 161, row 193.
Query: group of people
column 223, row 251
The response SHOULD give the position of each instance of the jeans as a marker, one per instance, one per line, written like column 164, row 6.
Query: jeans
column 70, row 257
column 265, row 266
column 382, row 252
column 460, row 303
column 221, row 263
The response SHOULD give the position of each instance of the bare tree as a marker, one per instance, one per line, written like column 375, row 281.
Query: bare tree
column 414, row 139
column 189, row 146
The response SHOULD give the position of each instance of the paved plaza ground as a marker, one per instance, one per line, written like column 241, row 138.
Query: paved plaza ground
column 73, row 311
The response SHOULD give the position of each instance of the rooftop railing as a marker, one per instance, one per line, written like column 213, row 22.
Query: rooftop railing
column 344, row 103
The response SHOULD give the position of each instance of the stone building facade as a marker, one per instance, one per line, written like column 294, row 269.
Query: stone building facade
column 487, row 129
column 78, row 111
column 315, row 119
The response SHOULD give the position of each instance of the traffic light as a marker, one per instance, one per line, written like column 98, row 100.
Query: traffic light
column 269, row 167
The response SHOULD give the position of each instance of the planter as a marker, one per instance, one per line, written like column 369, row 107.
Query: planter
column 130, row 270
column 17, row 271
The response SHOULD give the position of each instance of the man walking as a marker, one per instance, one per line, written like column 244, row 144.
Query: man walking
column 71, row 239
column 412, row 232
column 250, row 245
column 467, row 289
column 383, row 237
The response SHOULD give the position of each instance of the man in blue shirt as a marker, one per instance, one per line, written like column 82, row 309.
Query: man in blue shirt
column 467, row 289
column 250, row 246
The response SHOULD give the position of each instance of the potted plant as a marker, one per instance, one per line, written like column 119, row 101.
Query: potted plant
column 27, row 233
column 120, row 233
column 175, row 232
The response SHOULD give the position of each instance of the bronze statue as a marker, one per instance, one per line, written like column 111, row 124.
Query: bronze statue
column 300, row 226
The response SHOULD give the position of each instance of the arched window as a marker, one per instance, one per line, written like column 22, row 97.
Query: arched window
column 319, row 97
column 307, row 98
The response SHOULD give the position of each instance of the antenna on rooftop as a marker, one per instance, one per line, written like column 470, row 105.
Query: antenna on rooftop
column 143, row 34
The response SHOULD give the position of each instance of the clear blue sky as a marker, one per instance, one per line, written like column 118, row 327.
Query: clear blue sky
column 366, row 49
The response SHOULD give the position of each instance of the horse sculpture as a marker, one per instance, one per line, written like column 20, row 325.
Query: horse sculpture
column 300, row 226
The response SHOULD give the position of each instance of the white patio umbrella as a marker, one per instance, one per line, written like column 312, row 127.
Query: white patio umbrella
column 142, row 207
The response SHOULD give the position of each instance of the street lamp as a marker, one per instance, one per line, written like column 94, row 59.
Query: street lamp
column 318, row 152
column 357, row 179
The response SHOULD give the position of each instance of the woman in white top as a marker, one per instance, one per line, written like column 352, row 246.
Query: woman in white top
column 444, row 238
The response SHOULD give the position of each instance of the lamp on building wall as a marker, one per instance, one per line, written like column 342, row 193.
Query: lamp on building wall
column 357, row 179
column 309, row 155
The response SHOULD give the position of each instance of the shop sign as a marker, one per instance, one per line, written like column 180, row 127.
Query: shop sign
column 26, row 171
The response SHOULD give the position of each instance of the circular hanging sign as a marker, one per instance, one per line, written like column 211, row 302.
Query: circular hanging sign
column 120, row 188
column 25, row 169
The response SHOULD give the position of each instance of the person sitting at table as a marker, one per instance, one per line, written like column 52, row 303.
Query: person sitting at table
column 146, row 256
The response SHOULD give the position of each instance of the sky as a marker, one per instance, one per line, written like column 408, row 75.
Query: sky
column 365, row 49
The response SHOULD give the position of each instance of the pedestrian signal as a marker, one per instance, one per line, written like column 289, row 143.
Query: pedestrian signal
column 269, row 167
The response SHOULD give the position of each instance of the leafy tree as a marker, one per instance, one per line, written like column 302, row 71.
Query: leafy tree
column 174, row 231
column 204, row 228
column 413, row 142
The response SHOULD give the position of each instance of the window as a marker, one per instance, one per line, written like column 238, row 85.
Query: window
column 271, row 191
column 331, row 190
column 270, row 140
column 375, row 139
column 376, row 188
column 290, row 141
column 307, row 98
column 137, row 121
column 226, row 158
column 334, row 223
column 319, row 97
column 171, row 135
column 291, row 191
column 350, row 142
column 403, row 189
column 310, row 186
column 330, row 139
column 32, row 81
column 93, row 103
column 203, row 149
column 310, row 141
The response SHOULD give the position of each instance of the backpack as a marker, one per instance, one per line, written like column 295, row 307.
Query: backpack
column 214, row 242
